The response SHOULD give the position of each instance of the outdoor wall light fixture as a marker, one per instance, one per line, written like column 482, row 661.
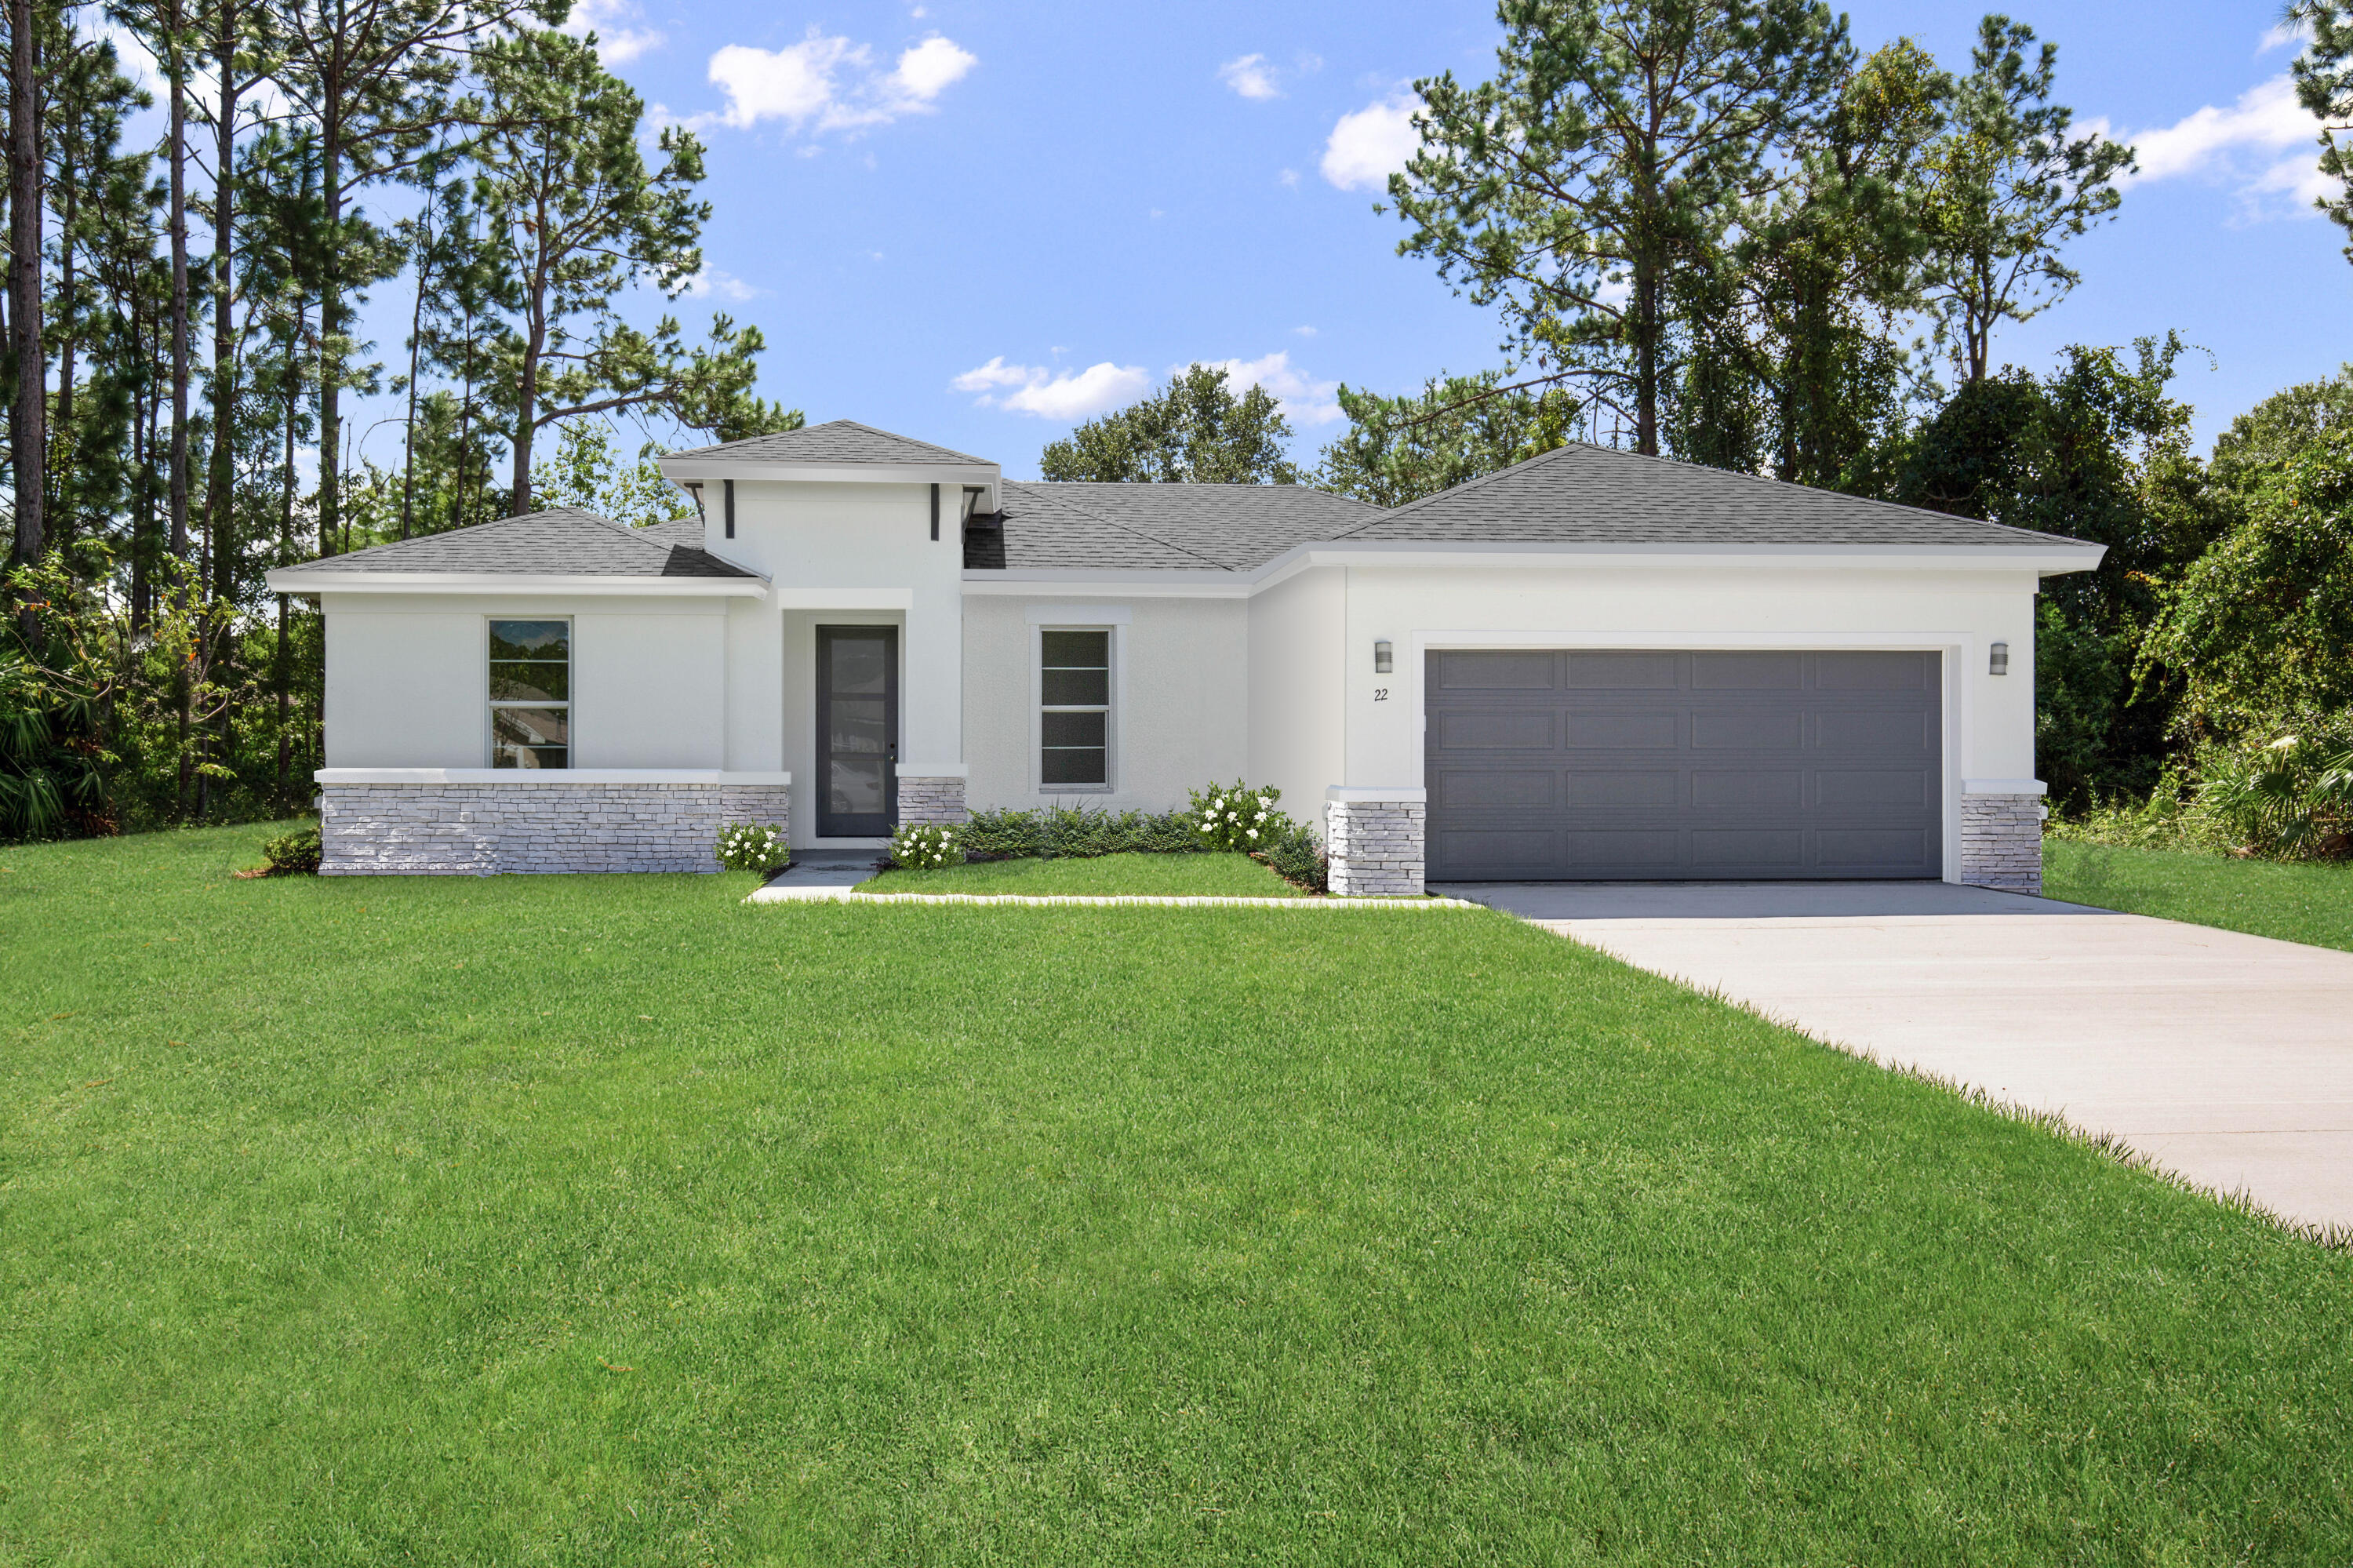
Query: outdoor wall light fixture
column 1382, row 662
column 2000, row 664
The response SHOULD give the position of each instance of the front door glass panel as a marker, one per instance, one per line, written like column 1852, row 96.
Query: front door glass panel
column 858, row 729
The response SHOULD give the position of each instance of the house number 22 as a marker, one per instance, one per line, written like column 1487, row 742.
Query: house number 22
column 1380, row 693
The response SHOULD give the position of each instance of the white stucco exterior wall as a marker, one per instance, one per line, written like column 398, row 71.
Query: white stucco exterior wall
column 1298, row 649
column 1988, row 720
column 409, row 679
column 1180, row 696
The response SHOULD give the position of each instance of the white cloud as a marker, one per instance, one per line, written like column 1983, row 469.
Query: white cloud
column 829, row 83
column 725, row 285
column 618, row 42
column 1251, row 76
column 1070, row 395
column 2242, row 144
column 1369, row 145
column 1288, row 179
column 2294, row 30
column 1304, row 331
column 1304, row 400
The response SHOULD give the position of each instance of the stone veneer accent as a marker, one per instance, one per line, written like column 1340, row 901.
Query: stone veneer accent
column 932, row 798
column 2002, row 842
column 550, row 825
column 1375, row 842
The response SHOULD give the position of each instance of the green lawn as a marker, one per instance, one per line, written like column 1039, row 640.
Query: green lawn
column 2296, row 902
column 610, row 1221
column 1203, row 875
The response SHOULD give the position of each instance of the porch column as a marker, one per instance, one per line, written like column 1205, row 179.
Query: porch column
column 1373, row 836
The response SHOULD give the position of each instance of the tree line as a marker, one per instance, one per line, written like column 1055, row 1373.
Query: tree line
column 1720, row 232
column 181, row 327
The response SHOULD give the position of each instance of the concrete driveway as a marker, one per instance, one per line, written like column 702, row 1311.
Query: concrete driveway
column 2224, row 1058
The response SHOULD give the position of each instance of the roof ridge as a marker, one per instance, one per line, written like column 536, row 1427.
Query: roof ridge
column 1115, row 522
column 1905, row 509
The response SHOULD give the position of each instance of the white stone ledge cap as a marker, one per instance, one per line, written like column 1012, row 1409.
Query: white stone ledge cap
column 1368, row 795
column 2004, row 786
column 935, row 770
column 818, row 895
column 556, row 776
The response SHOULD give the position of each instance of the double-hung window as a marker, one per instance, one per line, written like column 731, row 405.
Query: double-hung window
column 1074, row 709
column 530, row 693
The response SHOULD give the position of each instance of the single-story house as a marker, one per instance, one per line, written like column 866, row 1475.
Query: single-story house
column 1590, row 665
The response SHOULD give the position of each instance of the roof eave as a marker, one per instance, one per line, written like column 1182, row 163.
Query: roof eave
column 712, row 467
column 310, row 583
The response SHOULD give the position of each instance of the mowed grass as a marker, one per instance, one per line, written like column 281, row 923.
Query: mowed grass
column 610, row 1221
column 2310, row 903
column 1202, row 876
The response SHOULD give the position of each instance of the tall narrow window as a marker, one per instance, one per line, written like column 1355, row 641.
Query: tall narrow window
column 1074, row 699
column 530, row 693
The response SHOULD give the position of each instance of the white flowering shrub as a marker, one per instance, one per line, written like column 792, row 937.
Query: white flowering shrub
column 925, row 846
column 748, row 846
column 1236, row 817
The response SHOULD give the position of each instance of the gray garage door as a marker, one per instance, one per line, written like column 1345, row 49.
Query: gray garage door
column 1564, row 765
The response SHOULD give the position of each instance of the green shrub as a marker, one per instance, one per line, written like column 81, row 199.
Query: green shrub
column 2288, row 798
column 1297, row 856
column 1074, row 833
column 1236, row 817
column 925, row 846
column 293, row 855
column 750, row 846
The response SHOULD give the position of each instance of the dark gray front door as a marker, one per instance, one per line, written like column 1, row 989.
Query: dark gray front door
column 1563, row 765
column 857, row 731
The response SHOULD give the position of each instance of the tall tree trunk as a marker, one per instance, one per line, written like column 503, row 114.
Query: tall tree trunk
column 331, row 309
column 60, row 523
column 175, row 63
column 282, row 671
column 415, row 341
column 220, row 522
column 30, row 451
column 526, row 406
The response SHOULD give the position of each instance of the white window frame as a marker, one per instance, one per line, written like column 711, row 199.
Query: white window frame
column 1110, row 708
column 570, row 704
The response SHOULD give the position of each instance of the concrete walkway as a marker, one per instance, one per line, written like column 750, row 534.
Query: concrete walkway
column 2225, row 1057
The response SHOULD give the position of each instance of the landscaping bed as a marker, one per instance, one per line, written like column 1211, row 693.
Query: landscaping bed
column 2309, row 903
column 602, row 1219
column 1210, row 876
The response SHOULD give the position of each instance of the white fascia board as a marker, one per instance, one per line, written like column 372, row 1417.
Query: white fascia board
column 2041, row 560
column 713, row 469
column 523, row 776
column 2045, row 560
column 1080, row 582
column 295, row 581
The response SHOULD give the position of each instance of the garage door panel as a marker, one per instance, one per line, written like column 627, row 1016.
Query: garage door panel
column 1494, row 669
column 1748, row 671
column 1501, row 849
column 1748, row 791
column 1749, row 850
column 1496, row 732
column 1874, row 732
column 1661, row 764
column 1621, row 732
column 1470, row 789
column 1749, row 729
column 1875, row 671
column 1877, row 852
column 1626, row 852
column 1659, row 788
column 1633, row 670
column 1912, row 787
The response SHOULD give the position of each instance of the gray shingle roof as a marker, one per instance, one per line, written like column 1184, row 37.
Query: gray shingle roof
column 1588, row 494
column 1197, row 527
column 840, row 441
column 559, row 542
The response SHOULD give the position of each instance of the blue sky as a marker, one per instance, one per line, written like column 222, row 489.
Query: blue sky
column 976, row 223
